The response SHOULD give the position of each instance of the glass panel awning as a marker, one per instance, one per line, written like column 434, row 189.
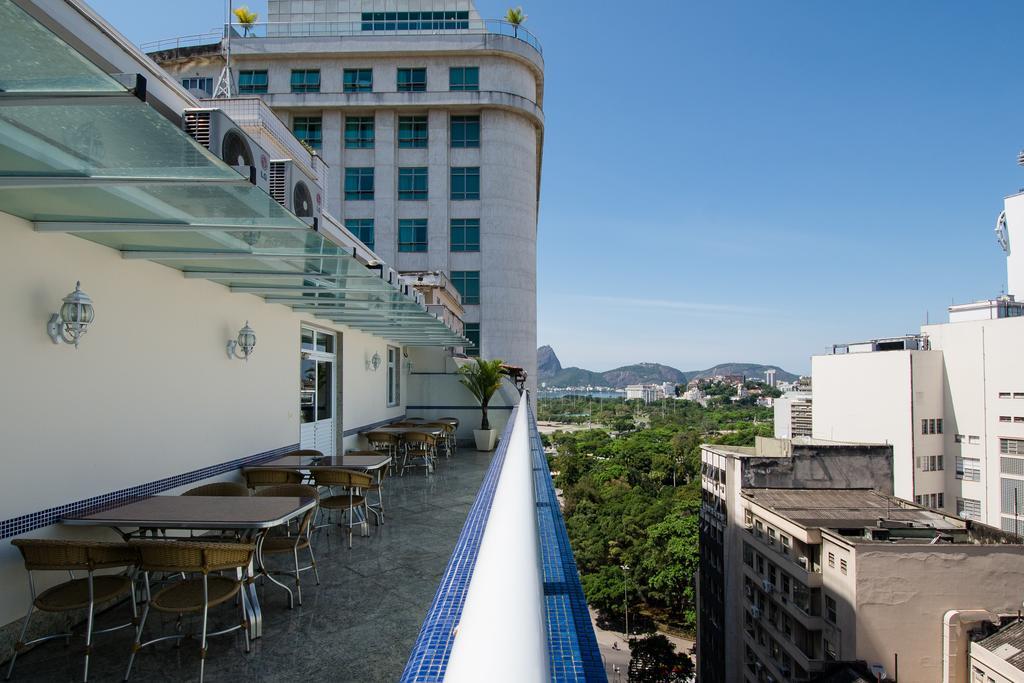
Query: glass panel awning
column 80, row 154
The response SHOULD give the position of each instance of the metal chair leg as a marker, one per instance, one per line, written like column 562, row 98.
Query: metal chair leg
column 21, row 641
column 202, row 645
column 142, row 624
column 88, row 628
column 312, row 561
column 298, row 582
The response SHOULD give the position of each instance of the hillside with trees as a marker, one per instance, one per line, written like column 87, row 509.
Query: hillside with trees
column 551, row 372
column 631, row 491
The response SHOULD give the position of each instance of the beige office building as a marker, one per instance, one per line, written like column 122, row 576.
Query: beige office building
column 431, row 120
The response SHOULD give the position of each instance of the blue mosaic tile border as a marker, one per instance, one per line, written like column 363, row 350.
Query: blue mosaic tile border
column 429, row 657
column 37, row 520
column 572, row 645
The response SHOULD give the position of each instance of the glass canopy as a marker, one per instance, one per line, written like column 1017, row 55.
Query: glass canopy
column 80, row 154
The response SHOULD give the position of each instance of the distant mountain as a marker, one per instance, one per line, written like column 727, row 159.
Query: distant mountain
column 548, row 364
column 749, row 370
column 551, row 372
column 643, row 373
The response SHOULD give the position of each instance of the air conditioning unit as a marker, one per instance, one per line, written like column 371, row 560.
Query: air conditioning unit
column 749, row 527
column 802, row 561
column 755, row 612
column 296, row 190
column 212, row 129
column 767, row 585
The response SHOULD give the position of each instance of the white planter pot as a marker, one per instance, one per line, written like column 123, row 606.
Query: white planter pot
column 485, row 439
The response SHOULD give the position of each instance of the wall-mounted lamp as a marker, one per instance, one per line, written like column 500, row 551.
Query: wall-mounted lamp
column 243, row 346
column 407, row 363
column 373, row 363
column 71, row 324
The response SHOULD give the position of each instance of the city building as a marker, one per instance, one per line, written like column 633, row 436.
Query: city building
column 793, row 415
column 648, row 393
column 808, row 560
column 170, row 320
column 725, row 472
column 769, row 377
column 997, row 657
column 431, row 117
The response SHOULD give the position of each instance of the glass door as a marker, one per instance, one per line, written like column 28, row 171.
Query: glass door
column 317, row 394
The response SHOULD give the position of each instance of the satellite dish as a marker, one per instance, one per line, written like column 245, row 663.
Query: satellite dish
column 236, row 150
column 1003, row 233
column 302, row 200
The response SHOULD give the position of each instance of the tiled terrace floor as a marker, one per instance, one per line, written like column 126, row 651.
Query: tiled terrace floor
column 359, row 625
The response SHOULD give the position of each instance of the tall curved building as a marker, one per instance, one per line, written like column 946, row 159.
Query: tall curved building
column 430, row 119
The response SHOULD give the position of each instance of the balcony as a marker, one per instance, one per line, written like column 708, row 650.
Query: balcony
column 365, row 617
column 493, row 33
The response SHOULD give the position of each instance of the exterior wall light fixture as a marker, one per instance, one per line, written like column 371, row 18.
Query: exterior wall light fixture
column 76, row 314
column 373, row 362
column 242, row 347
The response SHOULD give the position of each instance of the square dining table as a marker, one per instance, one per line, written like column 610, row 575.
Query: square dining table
column 252, row 516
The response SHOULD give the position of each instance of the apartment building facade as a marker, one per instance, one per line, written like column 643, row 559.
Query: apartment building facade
column 432, row 120
column 950, row 401
column 809, row 564
column 793, row 415
column 725, row 472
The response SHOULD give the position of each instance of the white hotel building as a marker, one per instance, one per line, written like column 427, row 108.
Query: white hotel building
column 431, row 120
column 950, row 400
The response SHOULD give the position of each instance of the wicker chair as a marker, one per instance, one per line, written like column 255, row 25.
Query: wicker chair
column 262, row 476
column 414, row 420
column 76, row 594
column 422, row 447
column 192, row 595
column 446, row 440
column 377, row 486
column 346, row 494
column 385, row 443
column 279, row 545
column 219, row 488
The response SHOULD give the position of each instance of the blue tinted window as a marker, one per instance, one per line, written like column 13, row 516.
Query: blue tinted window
column 412, row 234
column 412, row 184
column 465, row 183
column 464, row 78
column 309, row 129
column 358, row 184
column 465, row 234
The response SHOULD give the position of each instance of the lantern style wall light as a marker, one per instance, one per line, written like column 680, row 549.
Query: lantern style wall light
column 76, row 314
column 242, row 347
column 373, row 362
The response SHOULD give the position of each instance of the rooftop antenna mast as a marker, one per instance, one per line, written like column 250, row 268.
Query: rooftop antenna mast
column 223, row 88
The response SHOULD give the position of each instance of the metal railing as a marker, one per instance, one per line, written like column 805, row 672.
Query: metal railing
column 211, row 38
column 317, row 29
column 504, row 611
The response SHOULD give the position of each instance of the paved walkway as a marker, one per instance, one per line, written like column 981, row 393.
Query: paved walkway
column 358, row 625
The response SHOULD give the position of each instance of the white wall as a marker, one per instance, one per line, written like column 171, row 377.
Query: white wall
column 150, row 393
column 981, row 361
column 867, row 397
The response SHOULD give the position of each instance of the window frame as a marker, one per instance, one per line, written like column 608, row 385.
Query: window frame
column 465, row 124
column 472, row 333
column 356, row 84
column 360, row 125
column 417, row 135
column 185, row 80
column 394, row 377
column 309, row 124
column 416, row 183
column 253, row 88
column 409, row 83
column 359, row 173
column 463, row 86
column 464, row 175
column 464, row 244
column 359, row 226
column 415, row 245
column 305, row 86
column 466, row 281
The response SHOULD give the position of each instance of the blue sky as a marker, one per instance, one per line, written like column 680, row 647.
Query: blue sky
column 753, row 181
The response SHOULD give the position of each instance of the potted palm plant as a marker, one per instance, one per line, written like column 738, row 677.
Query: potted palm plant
column 516, row 17
column 246, row 19
column 482, row 378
